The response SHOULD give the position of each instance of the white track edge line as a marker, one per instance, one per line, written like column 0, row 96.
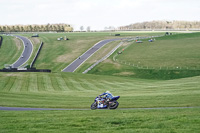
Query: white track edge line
column 82, row 54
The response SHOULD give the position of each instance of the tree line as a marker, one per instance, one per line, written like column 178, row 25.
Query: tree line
column 163, row 25
column 37, row 28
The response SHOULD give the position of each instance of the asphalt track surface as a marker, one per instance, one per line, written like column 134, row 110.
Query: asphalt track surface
column 35, row 109
column 26, row 54
column 80, row 60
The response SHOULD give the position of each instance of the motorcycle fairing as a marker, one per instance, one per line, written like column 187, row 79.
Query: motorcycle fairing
column 115, row 98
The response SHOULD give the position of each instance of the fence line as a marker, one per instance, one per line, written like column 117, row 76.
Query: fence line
column 138, row 66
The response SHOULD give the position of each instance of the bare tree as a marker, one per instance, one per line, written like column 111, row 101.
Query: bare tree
column 88, row 29
column 81, row 28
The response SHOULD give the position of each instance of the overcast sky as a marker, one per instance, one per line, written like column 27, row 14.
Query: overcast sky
column 96, row 13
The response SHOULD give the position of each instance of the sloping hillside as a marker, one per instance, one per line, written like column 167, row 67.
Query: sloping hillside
column 168, row 57
column 163, row 25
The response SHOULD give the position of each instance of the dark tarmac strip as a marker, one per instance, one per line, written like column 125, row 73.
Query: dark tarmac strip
column 28, row 49
column 80, row 60
column 35, row 109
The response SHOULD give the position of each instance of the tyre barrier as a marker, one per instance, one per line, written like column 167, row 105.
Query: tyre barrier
column 25, row 70
column 1, row 40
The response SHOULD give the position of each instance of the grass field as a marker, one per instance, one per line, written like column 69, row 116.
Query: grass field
column 120, row 121
column 138, row 89
column 10, row 50
column 66, row 90
column 181, row 50
column 56, row 55
column 169, row 57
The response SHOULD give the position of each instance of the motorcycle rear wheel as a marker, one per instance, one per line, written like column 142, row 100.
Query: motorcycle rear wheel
column 114, row 105
column 94, row 106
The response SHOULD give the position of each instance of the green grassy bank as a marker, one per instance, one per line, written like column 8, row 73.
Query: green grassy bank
column 168, row 57
column 56, row 55
column 120, row 121
column 67, row 90
column 138, row 88
column 10, row 50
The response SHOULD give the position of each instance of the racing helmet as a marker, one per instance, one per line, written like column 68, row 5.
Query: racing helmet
column 107, row 91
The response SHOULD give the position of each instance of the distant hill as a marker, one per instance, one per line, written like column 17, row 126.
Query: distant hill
column 36, row 28
column 163, row 25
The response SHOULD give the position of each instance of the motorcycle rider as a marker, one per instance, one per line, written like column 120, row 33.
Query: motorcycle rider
column 105, row 101
column 105, row 97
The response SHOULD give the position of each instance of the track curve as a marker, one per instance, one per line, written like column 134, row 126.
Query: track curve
column 26, row 54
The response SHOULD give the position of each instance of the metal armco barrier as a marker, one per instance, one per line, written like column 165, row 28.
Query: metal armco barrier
column 32, row 63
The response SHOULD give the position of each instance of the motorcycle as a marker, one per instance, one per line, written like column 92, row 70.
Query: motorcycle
column 101, row 103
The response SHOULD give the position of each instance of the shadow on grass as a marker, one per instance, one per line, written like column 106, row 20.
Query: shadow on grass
column 150, row 73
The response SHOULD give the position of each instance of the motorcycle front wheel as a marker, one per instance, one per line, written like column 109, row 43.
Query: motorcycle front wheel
column 94, row 106
column 113, row 105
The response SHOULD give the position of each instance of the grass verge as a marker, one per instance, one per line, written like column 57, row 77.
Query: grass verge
column 145, row 121
column 10, row 51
